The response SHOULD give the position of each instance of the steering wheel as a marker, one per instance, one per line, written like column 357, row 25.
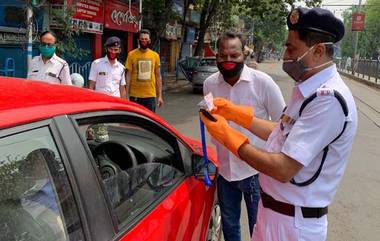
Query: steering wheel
column 110, row 156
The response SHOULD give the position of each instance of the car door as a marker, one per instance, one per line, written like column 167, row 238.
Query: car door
column 151, row 179
column 37, row 199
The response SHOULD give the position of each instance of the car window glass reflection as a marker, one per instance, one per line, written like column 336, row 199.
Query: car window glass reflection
column 36, row 202
column 137, row 166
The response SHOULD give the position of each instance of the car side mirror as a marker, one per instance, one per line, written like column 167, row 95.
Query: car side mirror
column 198, row 167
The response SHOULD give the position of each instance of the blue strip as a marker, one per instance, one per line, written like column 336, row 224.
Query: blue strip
column 205, row 156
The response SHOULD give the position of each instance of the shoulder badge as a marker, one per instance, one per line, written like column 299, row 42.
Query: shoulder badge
column 294, row 16
column 324, row 91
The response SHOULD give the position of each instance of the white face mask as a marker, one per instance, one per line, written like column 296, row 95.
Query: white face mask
column 296, row 68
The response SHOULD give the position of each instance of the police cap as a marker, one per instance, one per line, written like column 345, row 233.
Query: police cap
column 113, row 42
column 316, row 20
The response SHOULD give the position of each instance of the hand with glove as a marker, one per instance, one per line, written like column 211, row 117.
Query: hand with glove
column 241, row 115
column 224, row 134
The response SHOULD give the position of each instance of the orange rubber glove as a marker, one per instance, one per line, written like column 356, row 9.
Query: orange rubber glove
column 224, row 134
column 241, row 115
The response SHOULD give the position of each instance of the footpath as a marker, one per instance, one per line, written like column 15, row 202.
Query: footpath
column 172, row 84
column 370, row 81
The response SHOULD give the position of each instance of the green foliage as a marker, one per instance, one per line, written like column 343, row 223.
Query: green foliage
column 369, row 39
column 156, row 14
column 265, row 18
column 66, row 45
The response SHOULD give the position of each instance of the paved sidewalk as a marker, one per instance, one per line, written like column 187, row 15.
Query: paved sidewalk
column 170, row 83
column 373, row 82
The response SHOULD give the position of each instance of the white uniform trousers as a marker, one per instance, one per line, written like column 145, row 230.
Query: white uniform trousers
column 273, row 226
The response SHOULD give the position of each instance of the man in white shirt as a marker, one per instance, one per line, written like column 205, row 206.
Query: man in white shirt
column 307, row 150
column 48, row 66
column 237, row 82
column 107, row 74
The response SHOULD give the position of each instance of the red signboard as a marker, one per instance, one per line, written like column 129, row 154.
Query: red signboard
column 358, row 21
column 121, row 17
column 90, row 10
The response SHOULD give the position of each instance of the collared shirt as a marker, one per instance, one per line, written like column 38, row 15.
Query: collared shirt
column 256, row 89
column 55, row 70
column 108, row 77
column 320, row 123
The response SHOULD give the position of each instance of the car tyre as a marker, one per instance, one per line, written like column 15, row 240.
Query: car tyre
column 215, row 226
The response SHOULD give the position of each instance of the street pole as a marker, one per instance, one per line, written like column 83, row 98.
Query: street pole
column 140, row 9
column 355, row 61
column 29, row 15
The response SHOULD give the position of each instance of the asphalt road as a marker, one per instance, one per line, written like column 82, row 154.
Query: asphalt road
column 355, row 213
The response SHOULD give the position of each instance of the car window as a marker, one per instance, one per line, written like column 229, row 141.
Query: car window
column 207, row 62
column 36, row 200
column 137, row 166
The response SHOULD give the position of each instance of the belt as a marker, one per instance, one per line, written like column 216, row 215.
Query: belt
column 288, row 209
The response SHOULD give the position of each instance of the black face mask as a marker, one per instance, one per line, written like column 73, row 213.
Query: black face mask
column 143, row 44
column 230, row 69
column 295, row 69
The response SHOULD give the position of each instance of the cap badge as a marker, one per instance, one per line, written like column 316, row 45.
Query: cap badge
column 294, row 16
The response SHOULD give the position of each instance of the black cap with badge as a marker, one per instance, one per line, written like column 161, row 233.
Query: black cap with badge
column 113, row 42
column 316, row 20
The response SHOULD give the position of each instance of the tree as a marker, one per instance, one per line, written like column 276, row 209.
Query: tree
column 157, row 13
column 67, row 33
column 372, row 28
column 267, row 16
column 369, row 39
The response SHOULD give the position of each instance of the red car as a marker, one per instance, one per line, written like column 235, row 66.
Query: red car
column 80, row 165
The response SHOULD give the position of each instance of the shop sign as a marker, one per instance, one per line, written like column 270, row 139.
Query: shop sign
column 358, row 21
column 88, row 14
column 89, row 10
column 121, row 17
column 173, row 32
column 190, row 35
column 12, row 38
column 87, row 26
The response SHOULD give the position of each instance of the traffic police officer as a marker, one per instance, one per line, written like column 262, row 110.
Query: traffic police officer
column 48, row 66
column 107, row 73
column 307, row 149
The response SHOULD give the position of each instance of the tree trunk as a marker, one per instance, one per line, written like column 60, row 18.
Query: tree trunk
column 208, row 12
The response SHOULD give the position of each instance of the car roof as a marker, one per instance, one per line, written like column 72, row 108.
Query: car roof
column 24, row 101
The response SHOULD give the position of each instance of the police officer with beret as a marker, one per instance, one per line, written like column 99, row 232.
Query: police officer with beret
column 107, row 74
column 307, row 149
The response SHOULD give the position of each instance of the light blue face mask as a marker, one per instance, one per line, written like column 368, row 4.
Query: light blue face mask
column 47, row 51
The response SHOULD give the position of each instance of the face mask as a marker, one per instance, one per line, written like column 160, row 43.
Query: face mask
column 296, row 68
column 144, row 44
column 47, row 51
column 230, row 69
column 112, row 55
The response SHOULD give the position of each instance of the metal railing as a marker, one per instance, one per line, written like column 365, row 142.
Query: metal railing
column 84, row 70
column 363, row 68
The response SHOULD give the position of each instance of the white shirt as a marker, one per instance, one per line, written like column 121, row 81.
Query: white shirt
column 321, row 121
column 256, row 89
column 108, row 77
column 56, row 70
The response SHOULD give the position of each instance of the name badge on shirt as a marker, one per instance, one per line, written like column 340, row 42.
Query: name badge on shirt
column 102, row 73
column 52, row 74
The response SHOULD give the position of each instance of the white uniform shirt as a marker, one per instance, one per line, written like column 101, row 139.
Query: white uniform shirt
column 108, row 77
column 321, row 122
column 56, row 70
column 254, row 88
